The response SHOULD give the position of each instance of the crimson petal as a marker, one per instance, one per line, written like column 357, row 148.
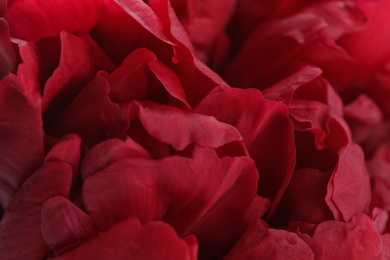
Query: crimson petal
column 130, row 240
column 261, row 241
column 21, row 138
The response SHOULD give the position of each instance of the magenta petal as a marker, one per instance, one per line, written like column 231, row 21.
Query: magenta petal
column 266, row 130
column 63, row 223
column 21, row 138
column 33, row 20
column 357, row 239
column 261, row 242
column 130, row 240
column 20, row 230
column 73, row 72
column 91, row 114
column 99, row 158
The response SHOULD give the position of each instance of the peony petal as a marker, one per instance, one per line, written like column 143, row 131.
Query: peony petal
column 378, row 168
column 304, row 199
column 266, row 130
column 91, row 114
column 36, row 19
column 21, row 138
column 73, row 72
column 299, row 40
column 62, row 223
column 130, row 240
column 7, row 54
column 28, row 72
column 180, row 191
column 97, row 158
column 370, row 45
column 145, row 16
column 180, row 128
column 349, row 187
column 353, row 240
column 20, row 231
column 261, row 241
column 137, row 78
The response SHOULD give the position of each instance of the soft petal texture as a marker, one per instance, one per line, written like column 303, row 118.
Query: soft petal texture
column 261, row 242
column 28, row 72
column 323, row 142
column 62, row 223
column 180, row 128
column 21, row 138
column 139, row 76
column 145, row 16
column 266, row 130
column 130, row 240
column 97, row 158
column 304, row 197
column 369, row 45
column 33, row 20
column 357, row 239
column 73, row 72
column 91, row 114
column 20, row 231
column 349, row 187
column 204, row 22
column 180, row 191
column 7, row 54
column 379, row 168
column 302, row 38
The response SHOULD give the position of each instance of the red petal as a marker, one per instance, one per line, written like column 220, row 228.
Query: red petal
column 7, row 54
column 73, row 72
column 349, row 187
column 266, row 130
column 261, row 241
column 20, row 230
column 91, row 114
column 130, row 240
column 145, row 16
column 180, row 128
column 28, row 72
column 370, row 45
column 98, row 158
column 21, row 138
column 357, row 239
column 141, row 70
column 62, row 223
column 179, row 190
column 32, row 20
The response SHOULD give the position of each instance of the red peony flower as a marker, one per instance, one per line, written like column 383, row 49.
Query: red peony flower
column 178, row 129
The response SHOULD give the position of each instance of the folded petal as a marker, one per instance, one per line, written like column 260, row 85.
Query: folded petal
column 91, row 114
column 97, row 157
column 62, row 223
column 180, row 191
column 130, row 240
column 353, row 240
column 20, row 227
column 33, row 20
column 180, row 128
column 266, row 243
column 266, row 130
column 21, row 138
column 73, row 72
column 7, row 54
